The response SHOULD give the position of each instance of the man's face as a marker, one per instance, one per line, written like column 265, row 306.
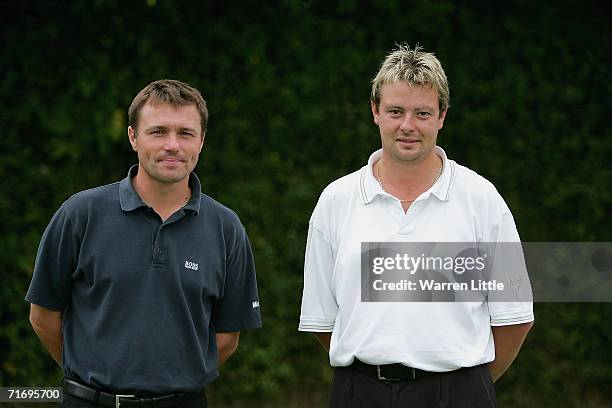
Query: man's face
column 409, row 119
column 168, row 141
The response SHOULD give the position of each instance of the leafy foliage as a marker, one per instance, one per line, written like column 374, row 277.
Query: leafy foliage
column 288, row 85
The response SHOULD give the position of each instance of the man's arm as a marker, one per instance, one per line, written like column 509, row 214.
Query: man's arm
column 48, row 326
column 508, row 341
column 324, row 339
column 227, row 343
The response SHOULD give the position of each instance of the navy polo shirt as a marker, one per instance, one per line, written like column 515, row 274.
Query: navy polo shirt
column 142, row 299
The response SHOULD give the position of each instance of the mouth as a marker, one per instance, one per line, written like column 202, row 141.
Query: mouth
column 170, row 161
column 407, row 141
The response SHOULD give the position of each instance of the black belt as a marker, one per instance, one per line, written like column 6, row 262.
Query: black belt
column 118, row 400
column 391, row 372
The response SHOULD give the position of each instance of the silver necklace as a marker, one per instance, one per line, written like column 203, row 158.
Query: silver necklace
column 178, row 208
column 186, row 201
column 380, row 182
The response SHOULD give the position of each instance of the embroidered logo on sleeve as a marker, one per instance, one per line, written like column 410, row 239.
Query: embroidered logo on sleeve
column 191, row 265
column 255, row 304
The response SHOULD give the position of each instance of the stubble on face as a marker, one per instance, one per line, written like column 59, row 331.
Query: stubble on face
column 162, row 177
column 168, row 142
column 409, row 119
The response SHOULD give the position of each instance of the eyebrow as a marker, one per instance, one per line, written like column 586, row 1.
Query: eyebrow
column 416, row 108
column 162, row 127
column 425, row 108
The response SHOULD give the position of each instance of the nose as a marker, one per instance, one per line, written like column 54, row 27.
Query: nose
column 171, row 142
column 407, row 124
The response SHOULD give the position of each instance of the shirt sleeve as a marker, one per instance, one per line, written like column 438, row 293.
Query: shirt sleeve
column 238, row 309
column 56, row 261
column 319, row 305
column 515, row 304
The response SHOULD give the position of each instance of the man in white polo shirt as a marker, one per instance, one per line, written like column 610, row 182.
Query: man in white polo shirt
column 408, row 354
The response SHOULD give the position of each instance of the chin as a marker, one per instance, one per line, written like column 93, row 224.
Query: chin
column 407, row 156
column 169, row 178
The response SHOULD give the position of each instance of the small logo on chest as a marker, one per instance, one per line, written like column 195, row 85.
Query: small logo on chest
column 191, row 265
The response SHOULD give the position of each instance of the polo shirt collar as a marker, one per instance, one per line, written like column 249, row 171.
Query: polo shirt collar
column 369, row 187
column 130, row 200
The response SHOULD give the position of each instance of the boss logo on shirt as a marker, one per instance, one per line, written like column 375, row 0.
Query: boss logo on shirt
column 191, row 265
column 255, row 304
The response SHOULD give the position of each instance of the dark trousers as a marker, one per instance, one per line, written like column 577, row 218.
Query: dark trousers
column 197, row 401
column 465, row 388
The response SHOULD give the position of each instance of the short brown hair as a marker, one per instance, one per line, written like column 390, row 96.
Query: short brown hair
column 170, row 91
column 415, row 67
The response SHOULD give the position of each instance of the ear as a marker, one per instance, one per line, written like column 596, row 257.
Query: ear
column 441, row 119
column 375, row 112
column 202, row 144
column 132, row 137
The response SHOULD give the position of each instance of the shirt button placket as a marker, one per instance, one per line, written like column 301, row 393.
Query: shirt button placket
column 158, row 250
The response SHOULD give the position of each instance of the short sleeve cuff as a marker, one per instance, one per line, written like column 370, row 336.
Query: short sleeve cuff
column 508, row 319
column 315, row 325
column 42, row 302
column 236, row 326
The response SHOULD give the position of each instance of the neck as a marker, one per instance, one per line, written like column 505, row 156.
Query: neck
column 161, row 196
column 409, row 177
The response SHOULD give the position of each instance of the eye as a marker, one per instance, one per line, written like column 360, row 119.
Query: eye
column 395, row 112
column 423, row 114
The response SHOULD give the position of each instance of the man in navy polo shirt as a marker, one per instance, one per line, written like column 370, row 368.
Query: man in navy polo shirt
column 141, row 287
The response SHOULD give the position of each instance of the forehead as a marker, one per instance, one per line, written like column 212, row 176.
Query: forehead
column 165, row 114
column 401, row 94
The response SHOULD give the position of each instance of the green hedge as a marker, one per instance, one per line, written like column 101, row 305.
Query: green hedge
column 288, row 85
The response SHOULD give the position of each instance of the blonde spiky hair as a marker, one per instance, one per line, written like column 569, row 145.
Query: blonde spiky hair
column 414, row 67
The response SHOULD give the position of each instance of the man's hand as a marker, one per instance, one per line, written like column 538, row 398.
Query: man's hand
column 48, row 326
column 227, row 343
column 508, row 342
column 324, row 339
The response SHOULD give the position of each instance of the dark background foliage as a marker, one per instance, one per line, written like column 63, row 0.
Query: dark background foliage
column 288, row 85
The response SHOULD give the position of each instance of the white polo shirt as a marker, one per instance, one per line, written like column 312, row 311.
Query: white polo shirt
column 435, row 336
